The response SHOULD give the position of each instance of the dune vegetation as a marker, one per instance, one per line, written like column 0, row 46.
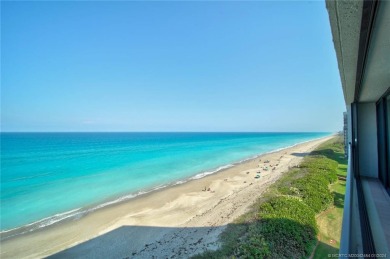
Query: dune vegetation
column 292, row 218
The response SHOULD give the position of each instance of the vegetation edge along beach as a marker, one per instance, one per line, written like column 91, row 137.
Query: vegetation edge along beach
column 284, row 222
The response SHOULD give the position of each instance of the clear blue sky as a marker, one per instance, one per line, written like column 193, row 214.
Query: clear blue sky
column 168, row 66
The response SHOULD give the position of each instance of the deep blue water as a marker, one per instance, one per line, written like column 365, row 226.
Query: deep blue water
column 46, row 177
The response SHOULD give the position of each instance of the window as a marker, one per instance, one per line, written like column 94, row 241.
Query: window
column 383, row 120
column 387, row 111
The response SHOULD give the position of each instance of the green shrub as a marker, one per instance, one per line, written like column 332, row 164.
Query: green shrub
column 288, row 208
column 313, row 187
column 286, row 229
column 314, row 191
column 319, row 162
column 287, row 239
column 253, row 244
column 330, row 176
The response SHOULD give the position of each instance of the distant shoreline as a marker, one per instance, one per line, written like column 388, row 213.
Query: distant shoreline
column 169, row 201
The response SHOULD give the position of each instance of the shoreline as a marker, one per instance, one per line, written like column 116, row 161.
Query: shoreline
column 83, row 211
column 174, row 209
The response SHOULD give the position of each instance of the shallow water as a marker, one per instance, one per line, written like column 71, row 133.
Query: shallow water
column 48, row 177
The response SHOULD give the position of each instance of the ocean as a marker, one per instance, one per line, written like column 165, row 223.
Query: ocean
column 50, row 177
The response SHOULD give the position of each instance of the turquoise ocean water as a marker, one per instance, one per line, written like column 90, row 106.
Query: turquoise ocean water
column 49, row 177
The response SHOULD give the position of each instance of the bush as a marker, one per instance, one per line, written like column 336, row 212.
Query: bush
column 314, row 191
column 330, row 176
column 287, row 239
column 253, row 244
column 320, row 162
column 288, row 208
column 287, row 228
column 313, row 187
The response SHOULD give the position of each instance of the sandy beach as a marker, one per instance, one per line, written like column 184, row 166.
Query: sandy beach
column 174, row 222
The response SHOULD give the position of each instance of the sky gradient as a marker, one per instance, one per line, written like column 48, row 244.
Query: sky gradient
column 168, row 66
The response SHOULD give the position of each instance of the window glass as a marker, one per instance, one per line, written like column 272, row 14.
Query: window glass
column 382, row 147
column 387, row 111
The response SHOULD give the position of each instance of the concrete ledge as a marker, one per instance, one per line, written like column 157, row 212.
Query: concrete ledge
column 378, row 210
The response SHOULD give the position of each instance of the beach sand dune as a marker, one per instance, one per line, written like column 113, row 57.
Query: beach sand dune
column 175, row 222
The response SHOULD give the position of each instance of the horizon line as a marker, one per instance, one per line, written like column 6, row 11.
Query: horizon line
column 170, row 131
